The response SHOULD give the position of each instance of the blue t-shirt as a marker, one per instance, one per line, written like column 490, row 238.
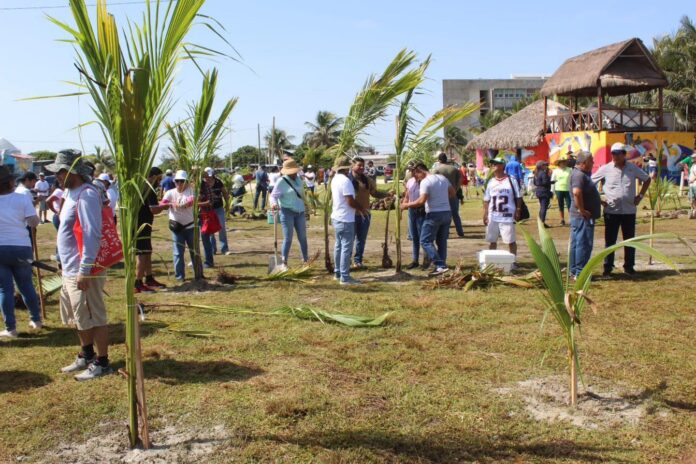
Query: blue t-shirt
column 514, row 169
column 261, row 179
column 168, row 183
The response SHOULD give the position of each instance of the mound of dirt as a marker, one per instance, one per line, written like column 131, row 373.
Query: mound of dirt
column 598, row 406
column 169, row 445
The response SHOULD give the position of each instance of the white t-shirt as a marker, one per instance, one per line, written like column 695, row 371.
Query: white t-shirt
column 502, row 205
column 309, row 179
column 273, row 178
column 42, row 188
column 181, row 209
column 58, row 195
column 22, row 190
column 412, row 189
column 15, row 208
column 436, row 186
column 112, row 195
column 237, row 181
column 342, row 187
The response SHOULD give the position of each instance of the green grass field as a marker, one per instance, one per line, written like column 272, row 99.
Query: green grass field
column 420, row 389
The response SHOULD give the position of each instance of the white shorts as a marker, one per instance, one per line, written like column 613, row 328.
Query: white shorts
column 504, row 230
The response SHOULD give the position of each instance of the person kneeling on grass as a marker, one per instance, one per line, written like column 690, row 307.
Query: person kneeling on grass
column 501, row 207
column 435, row 194
column 288, row 197
column 82, row 294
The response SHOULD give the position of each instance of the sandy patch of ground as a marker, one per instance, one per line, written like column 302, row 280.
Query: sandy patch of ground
column 599, row 406
column 169, row 445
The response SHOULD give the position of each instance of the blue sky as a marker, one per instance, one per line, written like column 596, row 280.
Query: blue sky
column 310, row 55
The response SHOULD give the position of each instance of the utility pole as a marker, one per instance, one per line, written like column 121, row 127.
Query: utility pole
column 272, row 150
column 258, row 157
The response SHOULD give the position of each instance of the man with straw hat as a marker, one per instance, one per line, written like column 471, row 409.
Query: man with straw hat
column 82, row 295
column 288, row 197
column 343, row 213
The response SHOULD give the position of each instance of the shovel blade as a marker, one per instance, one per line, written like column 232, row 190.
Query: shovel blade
column 274, row 264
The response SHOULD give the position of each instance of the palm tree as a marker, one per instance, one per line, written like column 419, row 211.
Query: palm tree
column 277, row 141
column 129, row 74
column 490, row 119
column 325, row 131
column 454, row 141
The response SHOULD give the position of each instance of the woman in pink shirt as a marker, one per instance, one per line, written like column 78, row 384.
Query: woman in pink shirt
column 415, row 219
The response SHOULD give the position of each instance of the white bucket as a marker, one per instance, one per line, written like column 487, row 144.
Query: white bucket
column 500, row 259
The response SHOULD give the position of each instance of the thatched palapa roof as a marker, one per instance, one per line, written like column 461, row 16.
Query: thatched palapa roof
column 522, row 129
column 621, row 68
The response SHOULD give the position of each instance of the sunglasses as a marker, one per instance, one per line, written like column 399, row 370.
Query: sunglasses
column 179, row 181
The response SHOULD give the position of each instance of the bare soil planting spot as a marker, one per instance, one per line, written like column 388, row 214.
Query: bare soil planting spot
column 599, row 406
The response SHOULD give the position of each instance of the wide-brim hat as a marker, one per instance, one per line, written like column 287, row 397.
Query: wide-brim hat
column 290, row 167
column 342, row 163
column 71, row 161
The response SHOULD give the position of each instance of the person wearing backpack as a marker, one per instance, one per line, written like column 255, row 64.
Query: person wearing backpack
column 82, row 295
column 287, row 197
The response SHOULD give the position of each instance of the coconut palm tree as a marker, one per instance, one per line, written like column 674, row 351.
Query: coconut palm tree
column 129, row 76
column 454, row 141
column 277, row 141
column 324, row 131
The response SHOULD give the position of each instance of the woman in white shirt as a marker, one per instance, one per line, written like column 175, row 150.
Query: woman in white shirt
column 309, row 178
column 179, row 202
column 16, row 254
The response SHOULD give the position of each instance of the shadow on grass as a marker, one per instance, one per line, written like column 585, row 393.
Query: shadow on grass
column 642, row 275
column 464, row 449
column 656, row 392
column 173, row 372
column 17, row 381
column 66, row 336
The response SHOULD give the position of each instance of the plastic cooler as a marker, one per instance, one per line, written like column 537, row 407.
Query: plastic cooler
column 500, row 259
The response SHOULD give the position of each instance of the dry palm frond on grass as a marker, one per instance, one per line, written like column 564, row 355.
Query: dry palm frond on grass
column 299, row 312
column 225, row 277
column 466, row 279
column 295, row 274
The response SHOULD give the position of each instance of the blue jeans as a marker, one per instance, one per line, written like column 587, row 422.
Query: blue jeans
column 181, row 241
column 436, row 229
column 454, row 209
column 260, row 192
column 345, row 235
column 209, row 243
column 362, row 227
column 415, row 224
column 291, row 220
column 581, row 242
column 15, row 266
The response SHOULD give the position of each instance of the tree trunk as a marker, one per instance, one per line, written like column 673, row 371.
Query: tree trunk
column 327, row 208
column 573, row 379
column 652, row 231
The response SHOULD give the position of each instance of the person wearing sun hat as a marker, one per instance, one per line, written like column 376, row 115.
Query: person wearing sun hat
column 620, row 203
column 344, row 209
column 82, row 295
column 179, row 202
column 287, row 197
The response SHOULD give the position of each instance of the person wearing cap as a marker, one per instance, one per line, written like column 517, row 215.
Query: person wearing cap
column 692, row 185
column 344, row 208
column 501, row 207
column 16, row 254
column 110, row 192
column 416, row 216
column 82, row 295
column 584, row 211
column 364, row 188
column 542, row 188
column 261, row 178
column 310, row 178
column 213, row 196
column 570, row 157
column 619, row 186
column 145, row 281
column 287, row 197
column 238, row 191
column 179, row 202
column 42, row 189
column 561, row 185
column 435, row 193
column 452, row 174
column 168, row 181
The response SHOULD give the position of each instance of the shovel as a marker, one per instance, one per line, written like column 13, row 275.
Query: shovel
column 274, row 263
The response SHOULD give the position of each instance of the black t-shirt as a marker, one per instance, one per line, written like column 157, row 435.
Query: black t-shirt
column 590, row 196
column 145, row 215
column 214, row 193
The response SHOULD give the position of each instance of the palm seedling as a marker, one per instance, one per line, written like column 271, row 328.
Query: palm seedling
column 565, row 300
column 129, row 78
column 195, row 141
column 371, row 104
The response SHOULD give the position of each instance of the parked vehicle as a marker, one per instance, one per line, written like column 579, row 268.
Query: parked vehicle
column 389, row 171
column 380, row 171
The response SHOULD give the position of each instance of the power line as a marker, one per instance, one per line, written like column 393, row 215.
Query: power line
column 55, row 7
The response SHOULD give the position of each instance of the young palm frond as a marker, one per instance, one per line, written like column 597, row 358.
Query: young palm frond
column 566, row 302
column 466, row 279
column 371, row 104
column 129, row 78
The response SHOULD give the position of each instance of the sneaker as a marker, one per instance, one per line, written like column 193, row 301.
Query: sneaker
column 35, row 325
column 563, row 223
column 413, row 265
column 93, row 371
column 207, row 266
column 358, row 267
column 350, row 281
column 152, row 283
column 439, row 270
column 78, row 365
column 336, row 277
column 142, row 288
column 190, row 264
column 8, row 334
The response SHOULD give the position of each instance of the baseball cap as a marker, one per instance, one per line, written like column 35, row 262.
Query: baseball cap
column 498, row 160
column 210, row 171
column 168, row 172
column 618, row 147
column 104, row 176
column 181, row 175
